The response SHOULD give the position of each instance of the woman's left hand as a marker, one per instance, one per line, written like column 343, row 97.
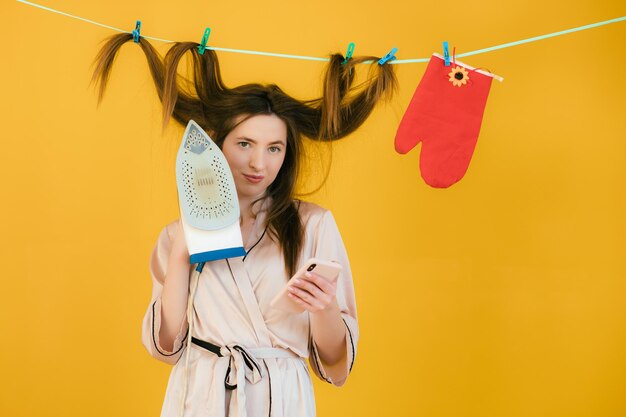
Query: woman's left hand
column 313, row 292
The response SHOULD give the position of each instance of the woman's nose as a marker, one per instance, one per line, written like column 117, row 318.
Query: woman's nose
column 257, row 160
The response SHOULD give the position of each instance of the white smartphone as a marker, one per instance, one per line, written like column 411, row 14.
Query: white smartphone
column 326, row 269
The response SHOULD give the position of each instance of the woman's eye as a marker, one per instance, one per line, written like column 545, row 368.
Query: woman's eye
column 244, row 144
column 274, row 149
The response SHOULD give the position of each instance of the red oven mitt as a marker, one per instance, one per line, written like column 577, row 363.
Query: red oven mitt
column 445, row 114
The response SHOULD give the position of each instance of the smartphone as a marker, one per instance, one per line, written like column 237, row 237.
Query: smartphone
column 325, row 269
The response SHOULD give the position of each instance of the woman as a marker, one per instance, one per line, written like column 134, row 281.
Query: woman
column 247, row 358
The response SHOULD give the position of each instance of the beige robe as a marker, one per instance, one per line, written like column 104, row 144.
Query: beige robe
column 231, row 307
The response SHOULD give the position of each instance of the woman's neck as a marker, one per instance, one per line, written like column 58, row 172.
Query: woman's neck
column 249, row 211
column 249, row 207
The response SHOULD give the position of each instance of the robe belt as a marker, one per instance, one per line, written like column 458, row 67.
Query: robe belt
column 243, row 365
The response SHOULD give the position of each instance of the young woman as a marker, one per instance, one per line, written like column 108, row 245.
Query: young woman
column 247, row 358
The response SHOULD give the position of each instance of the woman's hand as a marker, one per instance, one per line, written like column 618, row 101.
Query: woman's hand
column 318, row 296
column 313, row 292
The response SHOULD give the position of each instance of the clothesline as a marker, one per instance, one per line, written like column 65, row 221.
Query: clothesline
column 311, row 58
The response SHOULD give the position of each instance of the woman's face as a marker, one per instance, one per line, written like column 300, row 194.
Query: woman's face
column 255, row 151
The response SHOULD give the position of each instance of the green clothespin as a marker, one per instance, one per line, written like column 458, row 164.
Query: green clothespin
column 349, row 53
column 203, row 42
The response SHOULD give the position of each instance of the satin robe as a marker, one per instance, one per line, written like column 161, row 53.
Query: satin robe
column 232, row 308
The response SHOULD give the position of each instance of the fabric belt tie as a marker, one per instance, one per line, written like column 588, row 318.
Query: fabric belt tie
column 243, row 365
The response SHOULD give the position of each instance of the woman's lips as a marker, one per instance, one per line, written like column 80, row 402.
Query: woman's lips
column 254, row 178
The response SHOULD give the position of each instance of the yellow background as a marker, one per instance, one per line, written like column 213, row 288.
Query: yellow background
column 500, row 296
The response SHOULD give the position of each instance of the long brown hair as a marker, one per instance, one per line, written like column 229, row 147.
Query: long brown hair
column 341, row 109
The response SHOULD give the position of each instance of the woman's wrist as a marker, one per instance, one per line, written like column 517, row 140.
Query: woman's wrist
column 332, row 309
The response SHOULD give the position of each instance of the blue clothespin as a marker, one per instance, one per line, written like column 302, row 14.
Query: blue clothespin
column 203, row 42
column 446, row 54
column 137, row 31
column 389, row 57
column 349, row 53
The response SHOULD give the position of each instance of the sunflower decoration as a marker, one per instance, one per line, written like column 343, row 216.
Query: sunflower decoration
column 458, row 76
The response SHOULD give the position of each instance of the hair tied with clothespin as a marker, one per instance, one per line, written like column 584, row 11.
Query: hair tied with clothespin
column 389, row 57
column 137, row 31
column 203, row 42
column 349, row 53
